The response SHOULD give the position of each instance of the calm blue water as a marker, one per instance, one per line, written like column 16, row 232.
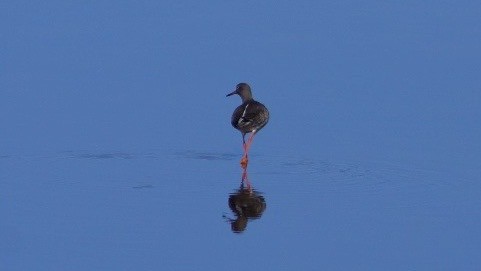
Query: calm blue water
column 169, row 210
column 116, row 150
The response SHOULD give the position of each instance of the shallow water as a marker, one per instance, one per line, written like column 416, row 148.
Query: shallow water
column 170, row 210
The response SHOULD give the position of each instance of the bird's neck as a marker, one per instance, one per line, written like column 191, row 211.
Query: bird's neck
column 247, row 99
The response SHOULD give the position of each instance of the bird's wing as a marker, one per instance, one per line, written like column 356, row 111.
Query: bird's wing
column 245, row 118
column 249, row 115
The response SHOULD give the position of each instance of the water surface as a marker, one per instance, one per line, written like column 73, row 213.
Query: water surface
column 123, row 211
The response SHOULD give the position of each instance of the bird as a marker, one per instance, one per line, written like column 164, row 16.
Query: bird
column 249, row 117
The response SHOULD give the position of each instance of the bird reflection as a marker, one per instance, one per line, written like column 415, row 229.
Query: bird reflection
column 246, row 204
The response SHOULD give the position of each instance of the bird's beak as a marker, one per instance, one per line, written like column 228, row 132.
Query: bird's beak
column 232, row 93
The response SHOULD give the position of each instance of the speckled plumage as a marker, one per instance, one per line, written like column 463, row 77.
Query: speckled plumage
column 250, row 116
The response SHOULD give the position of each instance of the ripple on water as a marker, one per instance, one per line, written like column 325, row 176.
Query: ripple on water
column 362, row 175
column 210, row 156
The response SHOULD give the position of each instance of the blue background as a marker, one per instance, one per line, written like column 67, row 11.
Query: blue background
column 116, row 151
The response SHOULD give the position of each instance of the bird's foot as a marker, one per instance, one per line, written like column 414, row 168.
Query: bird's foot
column 244, row 161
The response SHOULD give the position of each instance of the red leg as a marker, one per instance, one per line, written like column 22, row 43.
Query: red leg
column 245, row 160
column 249, row 142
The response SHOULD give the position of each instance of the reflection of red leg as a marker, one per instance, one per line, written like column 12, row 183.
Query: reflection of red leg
column 245, row 179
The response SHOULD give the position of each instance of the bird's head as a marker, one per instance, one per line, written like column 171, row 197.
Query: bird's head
column 243, row 90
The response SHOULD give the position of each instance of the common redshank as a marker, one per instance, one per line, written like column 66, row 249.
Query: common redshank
column 249, row 117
